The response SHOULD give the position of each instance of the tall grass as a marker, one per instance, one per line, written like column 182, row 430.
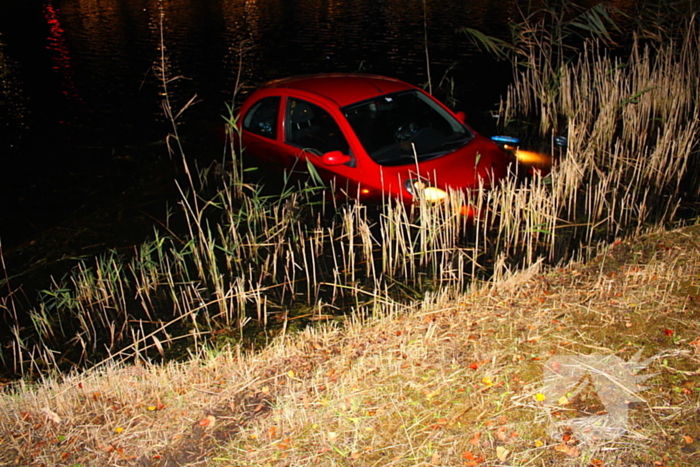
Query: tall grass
column 632, row 130
column 245, row 261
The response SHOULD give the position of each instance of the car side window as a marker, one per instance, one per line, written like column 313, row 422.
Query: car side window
column 312, row 128
column 261, row 119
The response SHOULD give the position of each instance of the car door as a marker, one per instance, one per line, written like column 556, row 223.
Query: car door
column 310, row 131
column 262, row 129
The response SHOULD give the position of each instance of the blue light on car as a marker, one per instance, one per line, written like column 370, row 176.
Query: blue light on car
column 506, row 139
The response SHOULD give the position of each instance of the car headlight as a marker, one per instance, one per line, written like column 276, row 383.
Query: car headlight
column 418, row 188
column 533, row 158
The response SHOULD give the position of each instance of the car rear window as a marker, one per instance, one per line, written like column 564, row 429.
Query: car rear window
column 261, row 119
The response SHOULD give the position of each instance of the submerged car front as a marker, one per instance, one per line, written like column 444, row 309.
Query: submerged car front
column 416, row 143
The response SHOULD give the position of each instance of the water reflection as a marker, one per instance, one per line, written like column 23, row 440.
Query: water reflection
column 102, row 53
column 60, row 53
column 12, row 102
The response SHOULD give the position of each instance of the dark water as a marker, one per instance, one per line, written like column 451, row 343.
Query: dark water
column 82, row 165
column 81, row 121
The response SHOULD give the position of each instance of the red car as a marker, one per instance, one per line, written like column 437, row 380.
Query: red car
column 374, row 136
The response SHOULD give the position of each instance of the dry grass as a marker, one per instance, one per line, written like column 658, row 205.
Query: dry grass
column 451, row 380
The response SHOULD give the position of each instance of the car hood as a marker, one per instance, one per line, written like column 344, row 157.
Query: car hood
column 479, row 163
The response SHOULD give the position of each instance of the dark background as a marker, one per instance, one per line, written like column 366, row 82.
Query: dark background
column 83, row 165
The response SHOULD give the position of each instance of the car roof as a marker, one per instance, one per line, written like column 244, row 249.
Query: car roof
column 342, row 88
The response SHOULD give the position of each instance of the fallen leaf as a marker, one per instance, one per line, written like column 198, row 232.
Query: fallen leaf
column 53, row 416
column 487, row 381
column 470, row 459
column 501, row 433
column 696, row 343
column 668, row 332
column 440, row 422
column 539, row 443
column 286, row 443
column 475, row 439
column 540, row 397
column 207, row 421
column 502, row 453
column 687, row 439
column 272, row 432
column 570, row 451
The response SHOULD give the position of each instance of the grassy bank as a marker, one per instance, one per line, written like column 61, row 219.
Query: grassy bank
column 449, row 380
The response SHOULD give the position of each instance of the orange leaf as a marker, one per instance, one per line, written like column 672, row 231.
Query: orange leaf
column 470, row 459
column 570, row 451
column 687, row 439
column 440, row 422
column 272, row 432
column 475, row 439
column 209, row 421
column 501, row 433
column 285, row 444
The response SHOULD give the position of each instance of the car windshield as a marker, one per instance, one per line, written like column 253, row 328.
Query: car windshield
column 396, row 128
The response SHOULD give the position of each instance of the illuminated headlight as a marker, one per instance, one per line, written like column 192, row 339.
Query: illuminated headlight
column 419, row 188
column 533, row 158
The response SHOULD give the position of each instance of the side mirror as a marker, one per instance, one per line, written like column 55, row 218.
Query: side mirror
column 461, row 116
column 335, row 158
